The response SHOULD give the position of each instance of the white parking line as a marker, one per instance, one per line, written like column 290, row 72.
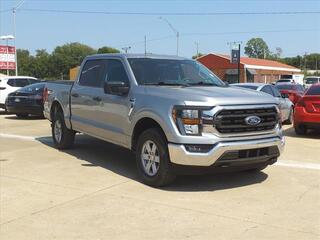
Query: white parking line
column 13, row 136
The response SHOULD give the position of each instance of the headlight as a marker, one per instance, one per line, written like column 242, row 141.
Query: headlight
column 279, row 117
column 188, row 121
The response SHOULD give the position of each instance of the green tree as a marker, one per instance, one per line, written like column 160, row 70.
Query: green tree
column 25, row 62
column 68, row 56
column 257, row 48
column 197, row 55
column 107, row 49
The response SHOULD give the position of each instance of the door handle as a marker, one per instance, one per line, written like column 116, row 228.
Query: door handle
column 75, row 95
column 97, row 99
column 132, row 102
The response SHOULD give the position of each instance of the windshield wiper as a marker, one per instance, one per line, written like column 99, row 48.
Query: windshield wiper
column 166, row 84
column 201, row 83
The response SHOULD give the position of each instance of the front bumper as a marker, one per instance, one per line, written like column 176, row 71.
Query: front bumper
column 179, row 155
column 25, row 109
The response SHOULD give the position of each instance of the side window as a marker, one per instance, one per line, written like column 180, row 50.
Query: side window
column 93, row 73
column 116, row 72
column 19, row 82
column 276, row 92
column 11, row 82
column 267, row 89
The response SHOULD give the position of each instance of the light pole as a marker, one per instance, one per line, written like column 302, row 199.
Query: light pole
column 126, row 49
column 176, row 32
column 7, row 38
column 197, row 46
column 14, row 10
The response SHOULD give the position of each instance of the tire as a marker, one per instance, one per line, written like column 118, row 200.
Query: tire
column 63, row 137
column 300, row 129
column 155, row 171
column 22, row 115
column 289, row 121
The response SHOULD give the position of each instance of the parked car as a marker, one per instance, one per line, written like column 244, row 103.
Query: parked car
column 285, row 105
column 285, row 81
column 10, row 84
column 294, row 91
column 311, row 80
column 174, row 113
column 307, row 110
column 26, row 101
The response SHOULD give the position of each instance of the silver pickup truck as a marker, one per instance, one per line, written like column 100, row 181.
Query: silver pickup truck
column 174, row 113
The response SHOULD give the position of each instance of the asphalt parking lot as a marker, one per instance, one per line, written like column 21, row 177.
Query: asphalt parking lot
column 93, row 192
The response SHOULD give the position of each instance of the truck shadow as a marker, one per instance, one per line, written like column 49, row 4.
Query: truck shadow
column 98, row 153
column 31, row 117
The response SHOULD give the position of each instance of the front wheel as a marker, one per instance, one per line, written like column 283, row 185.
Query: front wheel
column 63, row 137
column 152, row 158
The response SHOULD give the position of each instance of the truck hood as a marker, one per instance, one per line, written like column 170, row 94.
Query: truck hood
column 211, row 96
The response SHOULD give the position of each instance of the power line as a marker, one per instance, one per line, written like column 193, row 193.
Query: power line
column 219, row 33
column 168, row 13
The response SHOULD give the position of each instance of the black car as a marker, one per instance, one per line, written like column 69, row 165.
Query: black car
column 26, row 101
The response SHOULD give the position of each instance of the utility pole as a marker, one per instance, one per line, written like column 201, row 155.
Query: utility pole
column 305, row 62
column 126, row 49
column 14, row 10
column 176, row 32
column 145, row 45
column 197, row 47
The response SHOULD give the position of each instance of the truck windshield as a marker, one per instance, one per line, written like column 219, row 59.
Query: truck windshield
column 172, row 72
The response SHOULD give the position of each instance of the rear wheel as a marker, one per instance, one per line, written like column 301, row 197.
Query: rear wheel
column 152, row 158
column 300, row 129
column 63, row 137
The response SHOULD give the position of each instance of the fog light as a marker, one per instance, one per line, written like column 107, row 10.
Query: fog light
column 199, row 148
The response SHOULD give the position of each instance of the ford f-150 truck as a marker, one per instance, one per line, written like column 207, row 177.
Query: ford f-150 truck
column 172, row 112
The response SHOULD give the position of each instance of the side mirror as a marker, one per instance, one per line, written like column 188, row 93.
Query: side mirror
column 284, row 95
column 116, row 88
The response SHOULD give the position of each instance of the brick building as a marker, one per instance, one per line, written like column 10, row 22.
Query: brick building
column 251, row 69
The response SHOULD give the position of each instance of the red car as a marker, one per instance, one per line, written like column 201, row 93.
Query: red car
column 307, row 110
column 294, row 91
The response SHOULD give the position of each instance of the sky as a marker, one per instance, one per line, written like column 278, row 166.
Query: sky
column 295, row 34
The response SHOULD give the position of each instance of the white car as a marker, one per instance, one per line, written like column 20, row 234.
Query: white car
column 9, row 84
column 311, row 80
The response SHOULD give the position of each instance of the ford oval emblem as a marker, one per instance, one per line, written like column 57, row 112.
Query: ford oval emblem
column 252, row 120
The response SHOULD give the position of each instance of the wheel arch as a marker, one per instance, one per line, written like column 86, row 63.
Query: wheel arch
column 142, row 125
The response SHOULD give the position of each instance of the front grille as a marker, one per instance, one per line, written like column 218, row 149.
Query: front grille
column 233, row 121
column 247, row 154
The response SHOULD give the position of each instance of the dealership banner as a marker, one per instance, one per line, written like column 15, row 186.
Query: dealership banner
column 7, row 57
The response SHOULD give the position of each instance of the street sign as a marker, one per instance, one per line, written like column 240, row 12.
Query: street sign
column 235, row 56
column 7, row 58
